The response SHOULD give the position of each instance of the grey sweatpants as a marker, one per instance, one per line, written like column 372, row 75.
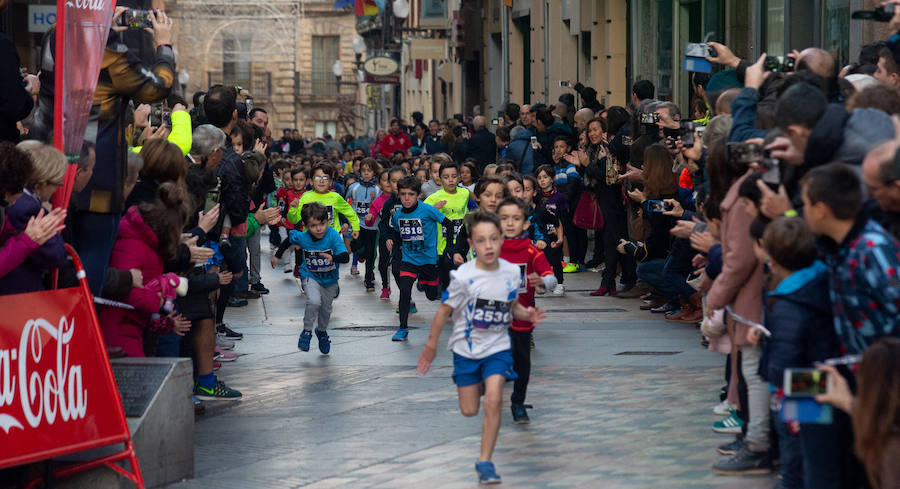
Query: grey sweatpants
column 757, row 399
column 253, row 249
column 318, row 304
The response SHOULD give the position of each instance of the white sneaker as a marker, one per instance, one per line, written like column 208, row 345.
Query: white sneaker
column 223, row 343
column 723, row 408
column 559, row 290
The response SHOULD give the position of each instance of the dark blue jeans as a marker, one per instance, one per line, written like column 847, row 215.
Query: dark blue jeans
column 93, row 237
column 236, row 259
column 668, row 276
column 168, row 345
column 791, row 454
column 828, row 456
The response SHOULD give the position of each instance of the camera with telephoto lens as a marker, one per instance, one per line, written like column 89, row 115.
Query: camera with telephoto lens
column 881, row 14
column 135, row 19
column 779, row 64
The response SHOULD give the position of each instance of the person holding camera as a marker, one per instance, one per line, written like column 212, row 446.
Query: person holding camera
column 122, row 77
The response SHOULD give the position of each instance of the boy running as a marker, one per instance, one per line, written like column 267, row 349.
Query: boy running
column 322, row 250
column 385, row 210
column 481, row 298
column 415, row 228
column 535, row 274
column 323, row 176
column 362, row 193
column 453, row 202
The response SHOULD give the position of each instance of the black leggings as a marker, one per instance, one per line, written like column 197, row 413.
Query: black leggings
column 428, row 279
column 577, row 239
column 365, row 245
column 521, row 353
column 615, row 229
column 554, row 256
column 384, row 262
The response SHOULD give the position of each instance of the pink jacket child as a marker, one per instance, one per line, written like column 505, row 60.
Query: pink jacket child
column 137, row 246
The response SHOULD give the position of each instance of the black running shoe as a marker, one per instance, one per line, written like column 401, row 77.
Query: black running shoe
column 228, row 333
column 519, row 414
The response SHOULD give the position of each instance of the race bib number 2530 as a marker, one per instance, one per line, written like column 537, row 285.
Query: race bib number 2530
column 491, row 314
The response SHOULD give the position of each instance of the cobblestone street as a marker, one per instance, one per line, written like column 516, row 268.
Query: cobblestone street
column 621, row 400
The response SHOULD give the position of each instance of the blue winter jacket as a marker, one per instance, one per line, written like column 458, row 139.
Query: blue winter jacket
column 520, row 151
column 798, row 313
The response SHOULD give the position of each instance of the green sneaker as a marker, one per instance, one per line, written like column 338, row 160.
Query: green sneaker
column 570, row 268
column 731, row 425
column 218, row 392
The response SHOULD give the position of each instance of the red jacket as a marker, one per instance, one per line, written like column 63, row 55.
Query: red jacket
column 287, row 196
column 392, row 142
column 523, row 253
column 137, row 246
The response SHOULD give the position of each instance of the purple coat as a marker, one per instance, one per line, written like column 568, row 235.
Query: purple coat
column 29, row 276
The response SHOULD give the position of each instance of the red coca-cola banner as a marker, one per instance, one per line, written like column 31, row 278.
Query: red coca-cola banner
column 57, row 391
column 84, row 27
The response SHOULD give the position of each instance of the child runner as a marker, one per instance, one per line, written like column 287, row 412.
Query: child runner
column 323, row 176
column 416, row 227
column 488, row 194
column 385, row 210
column 515, row 187
column 363, row 192
column 549, row 205
column 289, row 195
column 322, row 250
column 535, row 274
column 482, row 301
column 453, row 202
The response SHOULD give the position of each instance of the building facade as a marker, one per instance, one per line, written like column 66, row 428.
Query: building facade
column 282, row 51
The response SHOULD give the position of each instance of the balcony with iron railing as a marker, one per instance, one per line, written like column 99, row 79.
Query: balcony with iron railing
column 324, row 87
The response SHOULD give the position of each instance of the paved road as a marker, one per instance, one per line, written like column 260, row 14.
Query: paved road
column 607, row 414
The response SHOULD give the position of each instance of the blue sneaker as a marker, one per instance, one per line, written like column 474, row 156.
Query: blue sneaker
column 324, row 342
column 305, row 338
column 400, row 335
column 412, row 308
column 486, row 473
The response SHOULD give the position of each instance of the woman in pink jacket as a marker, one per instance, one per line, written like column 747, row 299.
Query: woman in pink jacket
column 739, row 285
column 149, row 234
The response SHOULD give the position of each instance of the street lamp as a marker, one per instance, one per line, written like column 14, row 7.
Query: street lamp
column 183, row 79
column 338, row 69
column 401, row 9
column 359, row 47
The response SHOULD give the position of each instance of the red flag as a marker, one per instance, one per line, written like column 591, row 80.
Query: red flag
column 366, row 8
column 81, row 30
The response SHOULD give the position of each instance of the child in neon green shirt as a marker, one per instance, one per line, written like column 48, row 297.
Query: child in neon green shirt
column 323, row 174
column 453, row 202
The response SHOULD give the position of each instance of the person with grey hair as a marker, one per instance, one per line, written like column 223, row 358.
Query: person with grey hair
column 481, row 145
column 206, row 139
column 719, row 127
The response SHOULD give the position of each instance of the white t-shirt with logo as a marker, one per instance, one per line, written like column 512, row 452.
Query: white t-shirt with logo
column 482, row 303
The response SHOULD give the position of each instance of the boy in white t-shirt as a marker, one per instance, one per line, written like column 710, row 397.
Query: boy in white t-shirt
column 482, row 300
